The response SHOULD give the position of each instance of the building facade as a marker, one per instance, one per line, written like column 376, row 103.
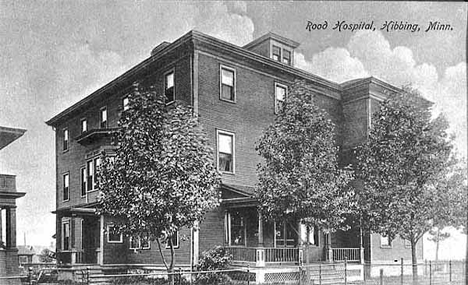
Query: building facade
column 9, row 265
column 236, row 92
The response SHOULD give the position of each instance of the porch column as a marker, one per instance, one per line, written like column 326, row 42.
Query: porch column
column 260, row 229
column 330, row 249
column 1, row 229
column 361, row 246
column 11, row 227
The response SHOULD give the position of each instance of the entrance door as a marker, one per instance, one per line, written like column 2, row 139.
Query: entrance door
column 285, row 235
column 91, row 239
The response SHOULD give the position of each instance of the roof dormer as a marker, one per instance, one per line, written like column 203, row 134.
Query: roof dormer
column 275, row 47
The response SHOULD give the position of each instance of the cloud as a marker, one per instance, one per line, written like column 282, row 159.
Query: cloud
column 226, row 21
column 370, row 53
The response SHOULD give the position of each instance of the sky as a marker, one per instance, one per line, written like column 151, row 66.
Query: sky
column 55, row 53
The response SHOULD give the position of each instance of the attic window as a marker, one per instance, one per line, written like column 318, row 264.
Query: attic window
column 287, row 57
column 276, row 53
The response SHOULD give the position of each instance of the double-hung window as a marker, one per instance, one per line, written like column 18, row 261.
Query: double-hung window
column 66, row 187
column 66, row 139
column 113, row 235
column 89, row 174
column 385, row 241
column 174, row 239
column 83, row 181
column 66, row 236
column 225, row 152
column 103, row 123
column 286, row 57
column 96, row 164
column 140, row 242
column 84, row 125
column 280, row 97
column 125, row 103
column 276, row 53
column 169, row 87
column 228, row 84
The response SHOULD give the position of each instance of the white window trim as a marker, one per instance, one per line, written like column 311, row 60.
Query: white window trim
column 282, row 48
column 123, row 103
column 87, row 171
column 233, row 135
column 385, row 245
column 178, row 242
column 62, row 236
column 108, row 235
column 81, row 125
column 85, row 180
column 63, row 186
column 139, row 243
column 100, row 117
column 63, row 139
column 234, row 83
column 172, row 70
column 285, row 95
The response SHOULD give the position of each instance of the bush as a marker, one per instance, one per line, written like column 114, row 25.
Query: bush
column 214, row 259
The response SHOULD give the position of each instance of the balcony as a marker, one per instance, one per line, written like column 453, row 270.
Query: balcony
column 264, row 255
column 94, row 135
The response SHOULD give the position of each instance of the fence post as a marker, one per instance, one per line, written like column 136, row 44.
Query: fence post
column 381, row 276
column 180, row 275
column 87, row 275
column 248, row 274
column 30, row 275
column 450, row 270
column 320, row 273
column 346, row 270
column 430, row 272
column 401, row 277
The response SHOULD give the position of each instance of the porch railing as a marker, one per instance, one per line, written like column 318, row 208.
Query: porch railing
column 350, row 254
column 278, row 254
column 242, row 253
column 264, row 254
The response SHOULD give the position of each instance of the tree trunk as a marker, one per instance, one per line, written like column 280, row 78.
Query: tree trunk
column 414, row 261
column 170, row 269
column 437, row 248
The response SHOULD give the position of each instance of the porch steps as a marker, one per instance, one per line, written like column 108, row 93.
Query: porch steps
column 327, row 274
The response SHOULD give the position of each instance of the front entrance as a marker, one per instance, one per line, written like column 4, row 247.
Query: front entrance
column 91, row 239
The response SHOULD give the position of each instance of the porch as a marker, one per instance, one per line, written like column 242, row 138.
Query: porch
column 270, row 256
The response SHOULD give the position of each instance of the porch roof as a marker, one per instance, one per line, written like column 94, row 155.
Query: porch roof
column 243, row 196
column 83, row 210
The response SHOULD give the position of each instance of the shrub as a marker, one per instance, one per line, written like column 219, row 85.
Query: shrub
column 214, row 259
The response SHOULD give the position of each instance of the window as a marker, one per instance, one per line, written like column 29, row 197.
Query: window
column 225, row 152
column 228, row 80
column 103, row 118
column 66, row 187
column 66, row 138
column 83, row 181
column 276, row 53
column 22, row 259
column 237, row 229
column 84, row 125
column 97, row 163
column 385, row 241
column 407, row 243
column 169, row 87
column 90, row 174
column 113, row 236
column 285, row 235
column 313, row 238
column 280, row 97
column 286, row 57
column 66, row 236
column 125, row 103
column 141, row 242
column 175, row 240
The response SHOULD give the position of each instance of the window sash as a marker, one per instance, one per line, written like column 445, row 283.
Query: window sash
column 276, row 53
column 113, row 236
column 227, row 84
column 225, row 152
column 169, row 87
column 66, row 187
column 84, row 125
column 280, row 96
column 90, row 174
column 125, row 103
column 104, row 118
column 66, row 236
column 83, row 181
column 65, row 139
column 286, row 57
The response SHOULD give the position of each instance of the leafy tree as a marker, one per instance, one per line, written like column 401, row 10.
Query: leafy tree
column 47, row 256
column 300, row 178
column 406, row 167
column 163, row 176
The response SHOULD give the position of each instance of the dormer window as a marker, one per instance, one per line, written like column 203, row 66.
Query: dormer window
column 276, row 53
column 286, row 57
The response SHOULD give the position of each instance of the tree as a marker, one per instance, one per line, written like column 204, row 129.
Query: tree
column 47, row 256
column 406, row 166
column 163, row 176
column 300, row 178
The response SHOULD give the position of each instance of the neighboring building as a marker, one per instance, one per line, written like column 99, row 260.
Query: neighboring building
column 25, row 254
column 236, row 92
column 8, row 195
